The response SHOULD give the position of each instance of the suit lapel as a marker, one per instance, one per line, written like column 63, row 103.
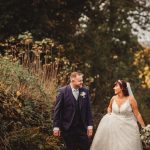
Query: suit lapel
column 71, row 95
column 80, row 98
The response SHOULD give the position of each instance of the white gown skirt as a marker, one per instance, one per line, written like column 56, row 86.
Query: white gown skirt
column 117, row 133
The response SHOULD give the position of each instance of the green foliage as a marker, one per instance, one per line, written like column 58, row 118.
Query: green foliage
column 141, row 63
column 13, row 75
column 38, row 55
column 97, row 33
column 108, row 45
column 92, row 36
column 25, row 110
column 42, row 18
column 29, row 94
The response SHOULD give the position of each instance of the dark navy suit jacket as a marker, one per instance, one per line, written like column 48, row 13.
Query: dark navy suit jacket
column 64, row 110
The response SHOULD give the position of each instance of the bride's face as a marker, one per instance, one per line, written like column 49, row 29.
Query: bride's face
column 117, row 88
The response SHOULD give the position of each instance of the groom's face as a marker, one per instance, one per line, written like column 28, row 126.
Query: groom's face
column 78, row 81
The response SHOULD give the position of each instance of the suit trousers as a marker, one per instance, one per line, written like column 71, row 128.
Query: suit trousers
column 76, row 139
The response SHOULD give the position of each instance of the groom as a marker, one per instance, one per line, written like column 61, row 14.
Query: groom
column 72, row 114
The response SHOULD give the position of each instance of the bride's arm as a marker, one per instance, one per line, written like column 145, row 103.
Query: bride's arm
column 136, row 111
column 109, row 109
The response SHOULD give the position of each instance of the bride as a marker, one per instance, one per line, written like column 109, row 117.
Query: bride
column 118, row 129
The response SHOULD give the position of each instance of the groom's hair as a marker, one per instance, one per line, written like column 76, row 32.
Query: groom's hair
column 74, row 74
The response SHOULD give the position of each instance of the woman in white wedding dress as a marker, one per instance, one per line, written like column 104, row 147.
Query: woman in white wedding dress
column 118, row 129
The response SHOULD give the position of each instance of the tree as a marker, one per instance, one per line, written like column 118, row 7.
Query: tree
column 55, row 19
column 108, row 43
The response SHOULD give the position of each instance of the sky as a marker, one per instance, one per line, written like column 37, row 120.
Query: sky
column 144, row 35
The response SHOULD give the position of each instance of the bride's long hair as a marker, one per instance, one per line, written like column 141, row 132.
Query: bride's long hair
column 123, row 86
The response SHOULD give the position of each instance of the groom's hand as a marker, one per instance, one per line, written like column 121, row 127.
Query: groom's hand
column 89, row 132
column 56, row 133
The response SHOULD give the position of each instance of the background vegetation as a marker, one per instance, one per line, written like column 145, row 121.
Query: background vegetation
column 43, row 41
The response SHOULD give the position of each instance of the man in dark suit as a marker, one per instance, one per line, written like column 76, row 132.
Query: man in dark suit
column 72, row 114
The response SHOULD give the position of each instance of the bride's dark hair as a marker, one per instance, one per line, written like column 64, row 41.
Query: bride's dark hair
column 123, row 86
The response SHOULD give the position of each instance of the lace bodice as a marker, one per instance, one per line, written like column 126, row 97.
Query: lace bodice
column 124, row 110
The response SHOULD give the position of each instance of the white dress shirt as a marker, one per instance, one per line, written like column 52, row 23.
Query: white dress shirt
column 75, row 93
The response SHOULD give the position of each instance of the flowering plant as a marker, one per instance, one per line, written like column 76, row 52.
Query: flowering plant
column 145, row 136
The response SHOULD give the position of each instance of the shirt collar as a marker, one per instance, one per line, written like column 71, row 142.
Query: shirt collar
column 73, row 89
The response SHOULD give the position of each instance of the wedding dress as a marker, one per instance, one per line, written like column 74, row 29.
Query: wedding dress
column 118, row 130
